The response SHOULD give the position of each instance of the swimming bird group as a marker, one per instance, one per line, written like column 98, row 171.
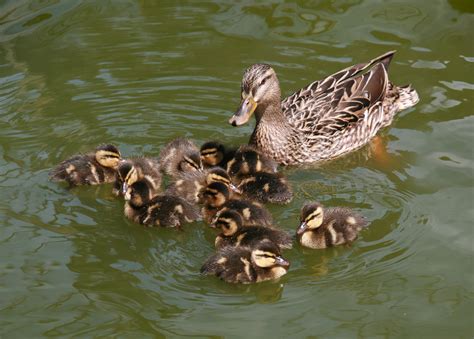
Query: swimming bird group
column 228, row 187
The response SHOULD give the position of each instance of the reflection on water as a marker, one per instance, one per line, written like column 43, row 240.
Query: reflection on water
column 76, row 74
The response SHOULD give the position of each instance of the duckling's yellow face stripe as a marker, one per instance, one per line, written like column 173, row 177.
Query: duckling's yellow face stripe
column 315, row 219
column 245, row 110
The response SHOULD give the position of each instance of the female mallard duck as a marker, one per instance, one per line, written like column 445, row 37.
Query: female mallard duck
column 89, row 169
column 325, row 119
column 322, row 228
column 191, row 184
column 180, row 156
column 248, row 160
column 133, row 170
column 213, row 153
column 141, row 206
column 234, row 233
column 216, row 199
column 247, row 265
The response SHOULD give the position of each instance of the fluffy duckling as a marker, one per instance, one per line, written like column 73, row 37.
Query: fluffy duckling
column 233, row 233
column 133, row 170
column 266, row 188
column 180, row 156
column 322, row 228
column 213, row 153
column 216, row 199
column 161, row 210
column 191, row 184
column 89, row 169
column 247, row 265
column 247, row 160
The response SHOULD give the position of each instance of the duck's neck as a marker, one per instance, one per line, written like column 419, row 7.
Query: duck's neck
column 272, row 129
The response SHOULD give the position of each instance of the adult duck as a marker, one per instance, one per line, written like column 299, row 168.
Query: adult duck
column 325, row 119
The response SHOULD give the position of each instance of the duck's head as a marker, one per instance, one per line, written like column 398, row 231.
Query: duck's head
column 259, row 88
column 267, row 255
column 108, row 155
column 229, row 222
column 212, row 153
column 218, row 174
column 311, row 217
column 191, row 162
column 246, row 161
column 215, row 194
column 139, row 193
column 128, row 174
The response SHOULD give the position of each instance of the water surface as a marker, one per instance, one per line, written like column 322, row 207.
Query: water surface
column 74, row 74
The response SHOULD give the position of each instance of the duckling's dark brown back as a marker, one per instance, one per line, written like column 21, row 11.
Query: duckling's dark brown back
column 178, row 156
column 267, row 188
column 252, row 235
column 231, row 264
column 252, row 213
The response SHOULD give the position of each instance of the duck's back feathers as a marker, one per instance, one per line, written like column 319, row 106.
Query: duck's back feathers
column 252, row 235
column 82, row 170
column 231, row 264
column 267, row 188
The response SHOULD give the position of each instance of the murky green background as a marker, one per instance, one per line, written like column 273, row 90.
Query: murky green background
column 74, row 74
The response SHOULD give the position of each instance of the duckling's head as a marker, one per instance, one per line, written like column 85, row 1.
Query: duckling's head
column 245, row 162
column 139, row 193
column 259, row 88
column 108, row 155
column 215, row 194
column 128, row 173
column 212, row 153
column 311, row 217
column 229, row 222
column 191, row 162
column 267, row 255
column 218, row 174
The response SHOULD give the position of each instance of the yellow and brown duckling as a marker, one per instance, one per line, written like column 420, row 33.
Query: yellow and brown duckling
column 245, row 265
column 234, row 233
column 143, row 207
column 326, row 227
column 257, row 178
column 133, row 170
column 216, row 199
column 191, row 184
column 213, row 153
column 94, row 168
column 180, row 156
column 247, row 160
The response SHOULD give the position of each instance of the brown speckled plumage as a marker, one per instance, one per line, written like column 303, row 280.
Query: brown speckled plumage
column 328, row 117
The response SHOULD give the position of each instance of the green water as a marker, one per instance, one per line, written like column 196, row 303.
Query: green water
column 75, row 74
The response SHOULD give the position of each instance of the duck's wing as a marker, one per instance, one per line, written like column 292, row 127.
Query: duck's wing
column 343, row 99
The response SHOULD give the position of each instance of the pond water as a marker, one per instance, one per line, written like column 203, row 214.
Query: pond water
column 74, row 74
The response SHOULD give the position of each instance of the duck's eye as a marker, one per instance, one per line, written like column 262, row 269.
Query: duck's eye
column 263, row 82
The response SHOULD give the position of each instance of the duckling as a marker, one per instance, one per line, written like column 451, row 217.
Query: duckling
column 234, row 233
column 160, row 210
column 89, row 169
column 180, row 156
column 266, row 188
column 216, row 199
column 322, row 228
column 243, row 264
column 247, row 160
column 132, row 170
column 191, row 184
column 213, row 153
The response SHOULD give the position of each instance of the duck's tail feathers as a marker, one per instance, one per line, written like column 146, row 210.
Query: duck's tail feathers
column 407, row 97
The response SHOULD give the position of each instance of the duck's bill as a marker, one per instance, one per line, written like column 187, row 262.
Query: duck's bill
column 124, row 188
column 235, row 189
column 245, row 111
column 282, row 262
column 303, row 227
